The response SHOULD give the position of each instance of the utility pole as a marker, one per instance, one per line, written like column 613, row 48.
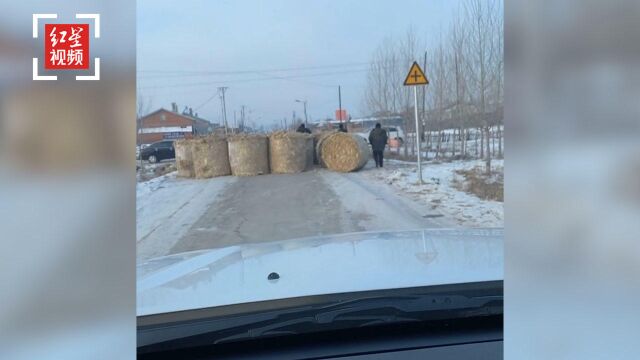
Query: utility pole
column 242, row 117
column 235, row 122
column 222, row 89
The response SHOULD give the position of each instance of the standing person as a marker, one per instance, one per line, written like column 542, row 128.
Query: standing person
column 378, row 140
column 341, row 128
column 303, row 129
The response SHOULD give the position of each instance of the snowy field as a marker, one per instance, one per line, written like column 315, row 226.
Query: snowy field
column 439, row 191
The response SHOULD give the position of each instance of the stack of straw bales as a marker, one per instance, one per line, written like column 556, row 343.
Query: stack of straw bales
column 289, row 152
column 249, row 154
column 343, row 152
column 280, row 153
column 210, row 156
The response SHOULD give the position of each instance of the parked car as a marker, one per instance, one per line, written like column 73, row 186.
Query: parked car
column 158, row 151
column 395, row 135
column 140, row 147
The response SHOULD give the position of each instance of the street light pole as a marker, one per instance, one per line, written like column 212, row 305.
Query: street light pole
column 305, row 114
column 304, row 103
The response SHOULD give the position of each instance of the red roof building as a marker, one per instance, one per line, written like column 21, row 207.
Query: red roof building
column 163, row 124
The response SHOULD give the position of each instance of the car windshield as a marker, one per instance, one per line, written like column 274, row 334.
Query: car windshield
column 265, row 183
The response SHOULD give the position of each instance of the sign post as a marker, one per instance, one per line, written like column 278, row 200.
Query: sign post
column 414, row 78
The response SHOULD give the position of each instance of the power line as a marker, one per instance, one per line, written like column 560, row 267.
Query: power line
column 204, row 103
column 256, row 79
column 161, row 91
column 295, row 80
column 181, row 73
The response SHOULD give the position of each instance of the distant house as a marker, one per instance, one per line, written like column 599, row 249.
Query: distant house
column 163, row 124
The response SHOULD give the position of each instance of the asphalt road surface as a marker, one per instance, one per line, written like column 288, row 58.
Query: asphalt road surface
column 178, row 215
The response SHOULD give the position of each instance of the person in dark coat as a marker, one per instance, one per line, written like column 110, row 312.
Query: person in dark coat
column 341, row 128
column 303, row 129
column 378, row 140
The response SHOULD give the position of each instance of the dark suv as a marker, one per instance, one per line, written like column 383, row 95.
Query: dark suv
column 158, row 151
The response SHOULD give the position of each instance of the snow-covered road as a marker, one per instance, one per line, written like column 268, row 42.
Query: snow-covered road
column 176, row 215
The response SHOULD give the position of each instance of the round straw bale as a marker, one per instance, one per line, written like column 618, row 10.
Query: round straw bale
column 211, row 156
column 249, row 154
column 319, row 139
column 344, row 152
column 288, row 152
column 184, row 158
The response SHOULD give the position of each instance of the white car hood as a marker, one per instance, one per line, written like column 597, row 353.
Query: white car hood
column 317, row 266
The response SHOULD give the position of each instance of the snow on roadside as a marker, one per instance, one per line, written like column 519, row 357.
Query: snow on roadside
column 166, row 208
column 150, row 171
column 144, row 188
column 439, row 192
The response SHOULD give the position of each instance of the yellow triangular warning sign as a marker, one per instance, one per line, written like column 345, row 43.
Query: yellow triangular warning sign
column 415, row 76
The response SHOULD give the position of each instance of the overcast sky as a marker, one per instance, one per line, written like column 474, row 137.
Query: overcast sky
column 270, row 53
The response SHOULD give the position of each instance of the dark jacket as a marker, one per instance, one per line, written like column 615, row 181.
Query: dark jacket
column 378, row 139
column 303, row 129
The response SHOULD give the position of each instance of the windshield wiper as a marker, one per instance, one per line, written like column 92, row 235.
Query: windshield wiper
column 279, row 328
column 330, row 312
column 372, row 311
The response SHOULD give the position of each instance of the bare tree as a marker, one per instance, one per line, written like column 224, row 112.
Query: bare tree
column 465, row 70
column 478, row 18
column 458, row 42
column 408, row 53
column 498, row 27
column 383, row 91
column 143, row 108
